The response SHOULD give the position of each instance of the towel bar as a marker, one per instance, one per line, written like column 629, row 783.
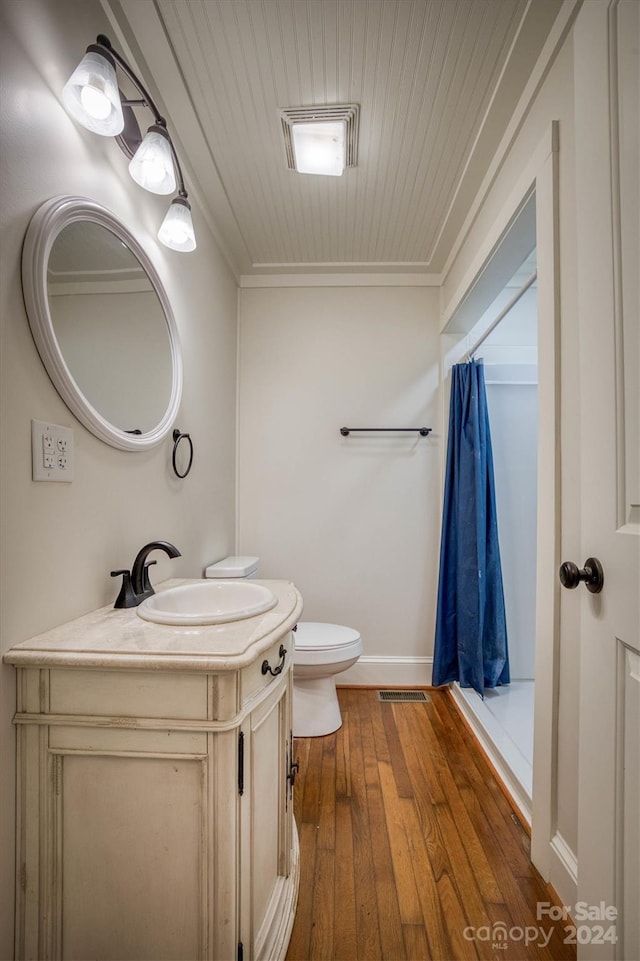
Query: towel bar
column 423, row 431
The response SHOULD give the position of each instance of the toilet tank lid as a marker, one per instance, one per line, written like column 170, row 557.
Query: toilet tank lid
column 233, row 567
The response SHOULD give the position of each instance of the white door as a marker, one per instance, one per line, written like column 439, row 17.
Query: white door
column 608, row 212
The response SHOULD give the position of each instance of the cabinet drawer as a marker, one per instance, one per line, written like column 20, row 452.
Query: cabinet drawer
column 253, row 681
column 100, row 740
column 128, row 694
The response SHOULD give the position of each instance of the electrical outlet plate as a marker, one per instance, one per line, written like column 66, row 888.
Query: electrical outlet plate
column 51, row 452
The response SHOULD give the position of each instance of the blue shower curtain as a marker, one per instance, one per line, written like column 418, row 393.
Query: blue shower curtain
column 471, row 630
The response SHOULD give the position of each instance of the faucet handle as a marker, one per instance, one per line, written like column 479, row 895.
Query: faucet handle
column 146, row 583
column 126, row 597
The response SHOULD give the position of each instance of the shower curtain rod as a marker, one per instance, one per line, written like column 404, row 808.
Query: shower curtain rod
column 503, row 313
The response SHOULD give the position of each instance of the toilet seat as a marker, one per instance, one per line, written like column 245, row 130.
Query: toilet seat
column 319, row 643
column 317, row 636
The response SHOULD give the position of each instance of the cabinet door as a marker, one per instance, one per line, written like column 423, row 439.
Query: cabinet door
column 130, row 863
column 268, row 893
column 127, row 844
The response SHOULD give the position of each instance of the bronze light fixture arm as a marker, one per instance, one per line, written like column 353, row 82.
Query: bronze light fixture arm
column 146, row 101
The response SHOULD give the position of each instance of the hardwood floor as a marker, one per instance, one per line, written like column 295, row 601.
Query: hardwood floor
column 409, row 849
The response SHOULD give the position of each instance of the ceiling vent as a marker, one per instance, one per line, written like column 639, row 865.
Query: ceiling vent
column 345, row 115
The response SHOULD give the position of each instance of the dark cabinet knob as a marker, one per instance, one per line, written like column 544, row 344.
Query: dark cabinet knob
column 592, row 575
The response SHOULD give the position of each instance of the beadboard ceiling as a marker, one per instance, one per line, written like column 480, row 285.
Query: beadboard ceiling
column 437, row 82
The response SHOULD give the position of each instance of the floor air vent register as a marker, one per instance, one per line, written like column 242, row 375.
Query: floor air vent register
column 402, row 696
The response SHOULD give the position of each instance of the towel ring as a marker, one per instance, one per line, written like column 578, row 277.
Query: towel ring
column 178, row 437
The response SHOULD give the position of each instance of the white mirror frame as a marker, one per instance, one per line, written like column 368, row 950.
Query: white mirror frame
column 43, row 229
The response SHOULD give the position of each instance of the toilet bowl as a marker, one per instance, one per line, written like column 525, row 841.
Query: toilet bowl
column 321, row 652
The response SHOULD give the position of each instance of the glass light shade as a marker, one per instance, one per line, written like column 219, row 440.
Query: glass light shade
column 91, row 94
column 176, row 230
column 152, row 164
column 319, row 147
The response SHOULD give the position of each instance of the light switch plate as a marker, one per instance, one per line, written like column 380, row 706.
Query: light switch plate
column 51, row 452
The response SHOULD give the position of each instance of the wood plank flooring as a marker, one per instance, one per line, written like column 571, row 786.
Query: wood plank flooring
column 409, row 849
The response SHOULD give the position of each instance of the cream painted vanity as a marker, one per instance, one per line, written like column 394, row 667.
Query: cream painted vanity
column 155, row 770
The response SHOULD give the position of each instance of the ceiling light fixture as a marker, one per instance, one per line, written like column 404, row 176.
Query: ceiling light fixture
column 92, row 97
column 322, row 139
column 319, row 147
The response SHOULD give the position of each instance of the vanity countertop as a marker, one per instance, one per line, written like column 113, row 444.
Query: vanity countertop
column 121, row 640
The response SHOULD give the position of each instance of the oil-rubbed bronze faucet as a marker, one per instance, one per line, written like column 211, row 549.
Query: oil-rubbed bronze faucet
column 135, row 583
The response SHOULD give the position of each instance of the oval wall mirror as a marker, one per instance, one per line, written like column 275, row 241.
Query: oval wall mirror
column 102, row 323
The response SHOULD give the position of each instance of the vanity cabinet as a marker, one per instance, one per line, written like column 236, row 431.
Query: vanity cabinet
column 155, row 805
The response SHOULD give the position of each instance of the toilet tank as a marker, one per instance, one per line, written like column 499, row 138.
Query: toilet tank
column 233, row 567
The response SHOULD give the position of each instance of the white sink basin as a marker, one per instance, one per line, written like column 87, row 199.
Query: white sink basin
column 207, row 602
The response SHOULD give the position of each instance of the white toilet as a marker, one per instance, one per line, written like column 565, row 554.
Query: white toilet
column 322, row 651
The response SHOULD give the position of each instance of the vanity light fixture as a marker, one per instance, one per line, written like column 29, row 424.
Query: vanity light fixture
column 322, row 139
column 92, row 97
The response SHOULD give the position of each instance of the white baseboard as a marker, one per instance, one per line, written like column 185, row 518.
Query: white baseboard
column 373, row 671
column 563, row 870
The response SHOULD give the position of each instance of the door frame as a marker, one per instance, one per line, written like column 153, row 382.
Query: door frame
column 549, row 852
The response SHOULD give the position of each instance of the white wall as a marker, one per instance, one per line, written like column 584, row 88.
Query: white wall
column 509, row 355
column 513, row 414
column 354, row 521
column 59, row 542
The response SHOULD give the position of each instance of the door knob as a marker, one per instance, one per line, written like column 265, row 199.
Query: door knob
column 592, row 575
